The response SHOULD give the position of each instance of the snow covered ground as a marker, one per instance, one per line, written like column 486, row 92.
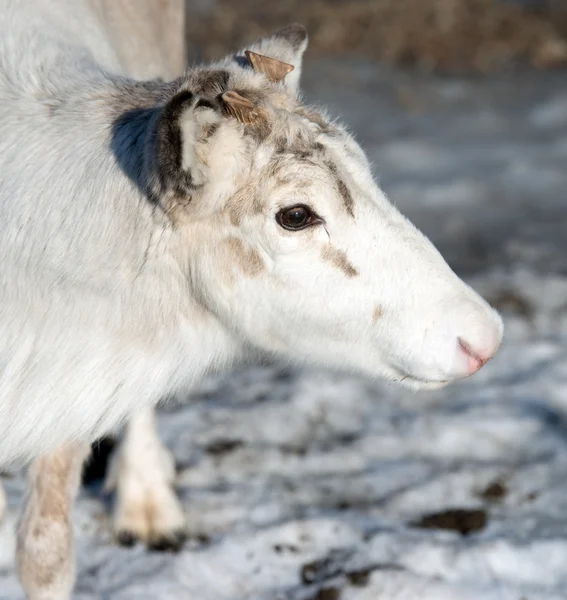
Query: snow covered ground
column 303, row 485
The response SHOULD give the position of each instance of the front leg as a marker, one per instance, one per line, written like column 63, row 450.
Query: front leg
column 44, row 553
column 143, row 473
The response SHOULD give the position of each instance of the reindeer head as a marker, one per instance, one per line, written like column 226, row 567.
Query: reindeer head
column 288, row 240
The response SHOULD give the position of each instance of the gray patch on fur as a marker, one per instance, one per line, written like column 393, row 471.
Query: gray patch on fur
column 343, row 189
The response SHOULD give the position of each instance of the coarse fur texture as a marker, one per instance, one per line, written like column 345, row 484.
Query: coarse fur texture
column 79, row 276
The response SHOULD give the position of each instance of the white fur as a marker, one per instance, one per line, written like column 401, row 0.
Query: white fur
column 108, row 307
column 111, row 302
column 96, row 319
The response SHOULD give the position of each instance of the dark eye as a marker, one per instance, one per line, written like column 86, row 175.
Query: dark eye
column 297, row 217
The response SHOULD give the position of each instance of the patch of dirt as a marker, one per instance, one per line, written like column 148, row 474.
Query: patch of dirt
column 359, row 578
column 442, row 35
column 336, row 564
column 324, row 568
column 461, row 520
column 327, row 567
column 203, row 539
column 223, row 446
column 531, row 497
column 327, row 593
column 295, row 450
column 285, row 548
column 496, row 491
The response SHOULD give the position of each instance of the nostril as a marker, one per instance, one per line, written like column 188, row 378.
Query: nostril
column 476, row 361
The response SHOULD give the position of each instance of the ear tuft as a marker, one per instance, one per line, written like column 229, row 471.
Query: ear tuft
column 184, row 123
column 295, row 35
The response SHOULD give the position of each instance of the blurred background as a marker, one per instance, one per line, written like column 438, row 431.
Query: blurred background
column 310, row 485
column 433, row 35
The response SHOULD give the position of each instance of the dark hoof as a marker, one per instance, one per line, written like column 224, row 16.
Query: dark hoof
column 126, row 539
column 172, row 542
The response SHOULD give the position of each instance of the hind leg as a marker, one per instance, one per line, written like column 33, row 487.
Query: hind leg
column 44, row 553
column 143, row 473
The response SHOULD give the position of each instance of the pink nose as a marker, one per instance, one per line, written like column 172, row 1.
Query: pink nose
column 473, row 359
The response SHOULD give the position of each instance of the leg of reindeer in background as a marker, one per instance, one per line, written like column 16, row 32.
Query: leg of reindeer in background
column 142, row 473
column 44, row 552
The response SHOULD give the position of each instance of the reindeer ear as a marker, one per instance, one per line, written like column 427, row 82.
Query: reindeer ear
column 183, row 127
column 279, row 56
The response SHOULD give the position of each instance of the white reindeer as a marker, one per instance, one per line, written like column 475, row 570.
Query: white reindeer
column 153, row 232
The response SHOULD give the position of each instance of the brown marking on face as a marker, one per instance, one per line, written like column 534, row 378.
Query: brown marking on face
column 299, row 183
column 276, row 166
column 248, row 259
column 244, row 203
column 377, row 314
column 339, row 259
column 343, row 189
column 302, row 148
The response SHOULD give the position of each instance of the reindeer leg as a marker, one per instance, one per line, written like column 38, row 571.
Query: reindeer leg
column 143, row 472
column 44, row 552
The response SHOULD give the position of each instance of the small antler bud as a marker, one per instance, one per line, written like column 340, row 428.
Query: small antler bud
column 240, row 108
column 274, row 70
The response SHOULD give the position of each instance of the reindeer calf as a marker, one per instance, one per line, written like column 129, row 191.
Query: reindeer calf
column 153, row 231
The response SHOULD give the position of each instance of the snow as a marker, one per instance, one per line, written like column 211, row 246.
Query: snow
column 309, row 485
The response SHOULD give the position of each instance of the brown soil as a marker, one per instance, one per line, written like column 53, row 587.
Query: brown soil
column 460, row 520
column 494, row 492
